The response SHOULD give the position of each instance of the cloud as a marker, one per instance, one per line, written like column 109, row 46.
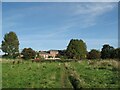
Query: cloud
column 83, row 14
column 94, row 9
column 88, row 13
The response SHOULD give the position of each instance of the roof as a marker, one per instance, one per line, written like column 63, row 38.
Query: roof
column 54, row 50
column 43, row 52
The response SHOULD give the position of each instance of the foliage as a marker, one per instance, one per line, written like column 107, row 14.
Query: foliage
column 38, row 56
column 76, row 49
column 61, row 54
column 94, row 54
column 107, row 51
column 50, row 56
column 10, row 45
column 28, row 53
column 116, row 53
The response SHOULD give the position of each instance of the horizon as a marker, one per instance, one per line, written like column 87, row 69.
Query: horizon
column 50, row 25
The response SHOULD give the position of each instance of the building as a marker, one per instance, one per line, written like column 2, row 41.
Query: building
column 44, row 54
column 53, row 53
column 49, row 54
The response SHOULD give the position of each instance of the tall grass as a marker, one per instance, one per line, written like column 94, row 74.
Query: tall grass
column 85, row 74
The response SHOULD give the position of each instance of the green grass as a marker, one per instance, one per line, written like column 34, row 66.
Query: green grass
column 98, row 74
column 31, row 75
column 90, row 74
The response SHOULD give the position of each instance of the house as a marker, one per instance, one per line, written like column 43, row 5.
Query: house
column 51, row 54
column 44, row 54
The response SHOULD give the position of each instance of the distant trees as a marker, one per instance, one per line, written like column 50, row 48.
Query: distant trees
column 94, row 54
column 107, row 51
column 116, row 53
column 10, row 45
column 76, row 49
column 28, row 53
column 61, row 54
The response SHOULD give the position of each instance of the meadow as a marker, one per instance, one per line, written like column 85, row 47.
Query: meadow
column 74, row 74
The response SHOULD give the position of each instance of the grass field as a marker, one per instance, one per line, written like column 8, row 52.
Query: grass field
column 81, row 74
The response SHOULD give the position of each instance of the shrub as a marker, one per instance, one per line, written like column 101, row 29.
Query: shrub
column 94, row 54
column 28, row 53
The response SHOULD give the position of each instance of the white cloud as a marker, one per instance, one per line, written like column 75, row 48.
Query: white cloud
column 85, row 14
column 88, row 13
column 94, row 9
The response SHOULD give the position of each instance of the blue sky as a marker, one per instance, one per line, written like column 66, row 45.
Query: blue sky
column 45, row 26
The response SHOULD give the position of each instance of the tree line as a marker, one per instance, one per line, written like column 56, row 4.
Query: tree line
column 76, row 49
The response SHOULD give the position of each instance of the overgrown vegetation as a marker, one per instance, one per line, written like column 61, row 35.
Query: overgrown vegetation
column 80, row 74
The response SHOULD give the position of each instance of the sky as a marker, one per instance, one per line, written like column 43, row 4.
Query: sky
column 0, row 20
column 60, row 0
column 51, row 25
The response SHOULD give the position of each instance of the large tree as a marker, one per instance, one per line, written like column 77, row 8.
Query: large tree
column 10, row 45
column 28, row 53
column 107, row 51
column 76, row 49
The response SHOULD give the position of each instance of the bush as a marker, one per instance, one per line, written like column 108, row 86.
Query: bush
column 94, row 54
column 28, row 53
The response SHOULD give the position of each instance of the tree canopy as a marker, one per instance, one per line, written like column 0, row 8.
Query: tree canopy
column 28, row 53
column 94, row 54
column 107, row 51
column 10, row 45
column 116, row 53
column 76, row 49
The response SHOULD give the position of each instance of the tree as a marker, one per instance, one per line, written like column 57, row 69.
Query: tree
column 76, row 49
column 62, row 54
column 10, row 45
column 107, row 51
column 116, row 53
column 28, row 53
column 94, row 54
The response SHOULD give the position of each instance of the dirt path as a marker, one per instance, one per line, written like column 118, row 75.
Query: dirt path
column 65, row 83
column 63, row 77
column 72, row 76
